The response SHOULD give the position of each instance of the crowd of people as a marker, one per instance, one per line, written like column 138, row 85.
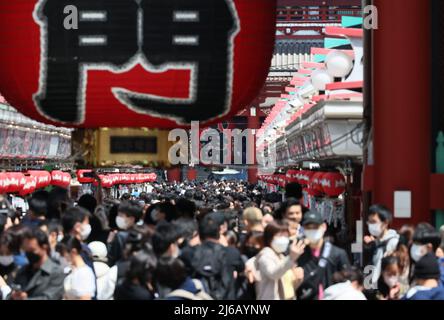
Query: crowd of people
column 212, row 240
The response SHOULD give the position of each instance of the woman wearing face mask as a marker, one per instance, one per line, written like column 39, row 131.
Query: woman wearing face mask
column 389, row 285
column 80, row 283
column 279, row 276
column 8, row 269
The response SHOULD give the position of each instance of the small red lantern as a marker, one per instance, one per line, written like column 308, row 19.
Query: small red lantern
column 60, row 179
column 81, row 176
column 15, row 182
column 314, row 186
column 29, row 186
column 43, row 178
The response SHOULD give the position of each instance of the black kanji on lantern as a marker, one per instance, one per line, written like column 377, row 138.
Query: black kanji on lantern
column 115, row 35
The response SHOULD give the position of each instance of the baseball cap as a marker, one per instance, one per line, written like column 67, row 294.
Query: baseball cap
column 312, row 217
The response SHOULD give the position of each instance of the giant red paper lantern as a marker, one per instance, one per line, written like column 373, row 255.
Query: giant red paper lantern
column 333, row 184
column 190, row 60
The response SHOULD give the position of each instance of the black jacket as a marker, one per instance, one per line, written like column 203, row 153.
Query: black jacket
column 314, row 274
column 116, row 247
column 131, row 291
column 45, row 283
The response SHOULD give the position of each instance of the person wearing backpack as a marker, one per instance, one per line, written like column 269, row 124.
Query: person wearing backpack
column 382, row 241
column 209, row 262
column 321, row 259
column 172, row 274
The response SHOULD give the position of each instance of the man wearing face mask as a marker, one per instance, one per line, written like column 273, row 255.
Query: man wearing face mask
column 426, row 240
column 382, row 241
column 321, row 259
column 129, row 213
column 42, row 278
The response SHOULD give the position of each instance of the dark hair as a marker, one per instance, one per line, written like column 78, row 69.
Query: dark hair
column 171, row 272
column 125, row 197
column 17, row 234
column 293, row 190
column 58, row 202
column 272, row 229
column 169, row 210
column 164, row 236
column 73, row 216
column 7, row 241
column 88, row 202
column 280, row 213
column 138, row 239
column 54, row 226
column 256, row 237
column 351, row 274
column 388, row 261
column 425, row 233
column 209, row 228
column 186, row 208
column 383, row 212
column 68, row 244
column 38, row 207
column 40, row 236
column 132, row 209
column 186, row 228
column 142, row 265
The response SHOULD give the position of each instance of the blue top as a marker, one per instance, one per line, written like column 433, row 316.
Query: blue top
column 430, row 294
column 189, row 286
column 441, row 269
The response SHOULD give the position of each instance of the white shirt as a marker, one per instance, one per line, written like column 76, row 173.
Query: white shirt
column 80, row 282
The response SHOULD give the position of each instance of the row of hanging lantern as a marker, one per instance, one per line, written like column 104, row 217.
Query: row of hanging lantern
column 24, row 183
column 316, row 183
column 112, row 179
column 338, row 65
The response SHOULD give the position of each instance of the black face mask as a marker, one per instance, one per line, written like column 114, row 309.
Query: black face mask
column 250, row 252
column 32, row 257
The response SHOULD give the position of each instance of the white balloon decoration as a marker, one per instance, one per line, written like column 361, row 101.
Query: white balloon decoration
column 338, row 63
column 320, row 78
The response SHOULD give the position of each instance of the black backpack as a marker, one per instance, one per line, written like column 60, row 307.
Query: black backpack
column 210, row 267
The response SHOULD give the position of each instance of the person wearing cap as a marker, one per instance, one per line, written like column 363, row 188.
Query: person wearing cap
column 105, row 288
column 320, row 260
column 426, row 280
column 426, row 240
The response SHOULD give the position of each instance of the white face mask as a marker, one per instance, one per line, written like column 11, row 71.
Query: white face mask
column 391, row 281
column 375, row 229
column 85, row 231
column 121, row 223
column 59, row 238
column 314, row 235
column 280, row 244
column 417, row 251
column 6, row 260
